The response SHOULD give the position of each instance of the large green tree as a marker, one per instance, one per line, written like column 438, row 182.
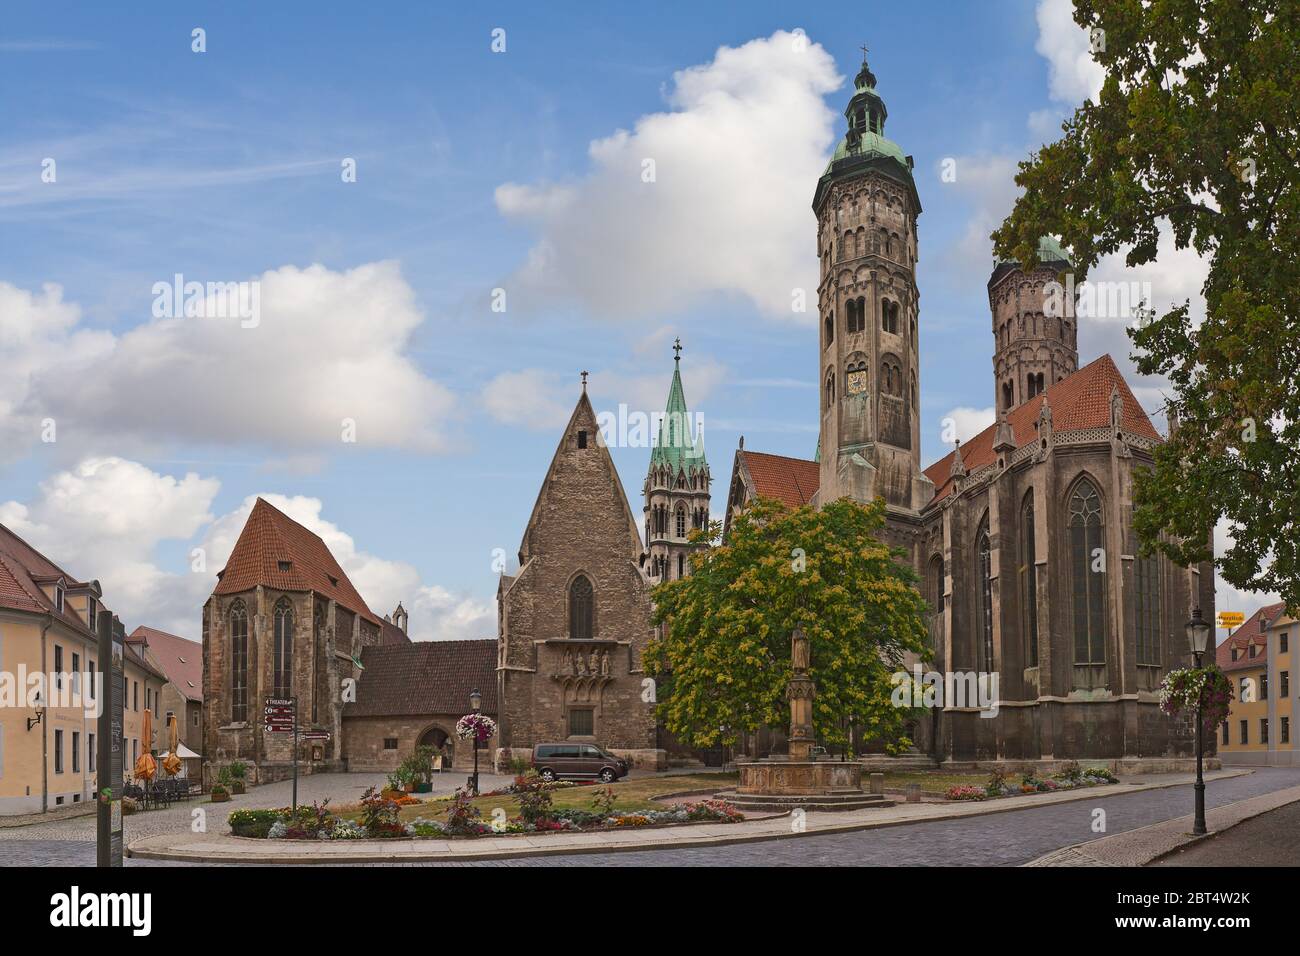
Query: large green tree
column 1197, row 130
column 724, row 657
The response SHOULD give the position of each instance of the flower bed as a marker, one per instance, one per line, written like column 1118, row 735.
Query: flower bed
column 379, row 817
column 1001, row 784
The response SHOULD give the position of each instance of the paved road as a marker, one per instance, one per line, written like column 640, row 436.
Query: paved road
column 999, row 839
column 1270, row 839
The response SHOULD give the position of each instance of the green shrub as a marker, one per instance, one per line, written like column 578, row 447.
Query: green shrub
column 254, row 823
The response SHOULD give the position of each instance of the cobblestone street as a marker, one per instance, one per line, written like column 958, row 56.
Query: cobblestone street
column 998, row 839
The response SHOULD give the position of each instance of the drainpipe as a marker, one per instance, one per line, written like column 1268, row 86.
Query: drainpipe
column 45, row 724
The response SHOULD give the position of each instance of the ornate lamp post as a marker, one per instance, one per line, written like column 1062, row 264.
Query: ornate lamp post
column 1198, row 637
column 475, row 703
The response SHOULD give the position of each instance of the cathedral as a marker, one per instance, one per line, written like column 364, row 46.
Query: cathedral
column 1023, row 536
column 1022, row 539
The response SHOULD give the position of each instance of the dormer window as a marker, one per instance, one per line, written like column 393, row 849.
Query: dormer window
column 58, row 598
column 91, row 609
column 284, row 565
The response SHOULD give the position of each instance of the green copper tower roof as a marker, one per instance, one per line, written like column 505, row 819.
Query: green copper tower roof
column 1049, row 250
column 680, row 444
column 865, row 145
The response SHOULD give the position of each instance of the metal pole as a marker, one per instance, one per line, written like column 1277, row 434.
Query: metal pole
column 295, row 754
column 1198, row 826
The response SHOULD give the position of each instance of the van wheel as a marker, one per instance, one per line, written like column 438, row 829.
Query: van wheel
column 547, row 774
column 607, row 776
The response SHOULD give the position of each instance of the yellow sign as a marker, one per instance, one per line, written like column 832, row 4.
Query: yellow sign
column 1231, row 618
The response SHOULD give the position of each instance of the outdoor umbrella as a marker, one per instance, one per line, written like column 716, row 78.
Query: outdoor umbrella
column 146, row 766
column 171, row 763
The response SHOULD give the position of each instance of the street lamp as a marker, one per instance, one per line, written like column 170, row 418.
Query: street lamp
column 475, row 702
column 1198, row 637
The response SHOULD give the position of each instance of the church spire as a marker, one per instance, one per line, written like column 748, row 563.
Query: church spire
column 680, row 446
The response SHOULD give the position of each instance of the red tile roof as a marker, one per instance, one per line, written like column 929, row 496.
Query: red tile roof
column 425, row 677
column 181, row 660
column 1251, row 631
column 1078, row 401
column 390, row 633
column 271, row 538
column 792, row 481
column 21, row 567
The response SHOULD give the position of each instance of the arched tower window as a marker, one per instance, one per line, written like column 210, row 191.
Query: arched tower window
column 936, row 584
column 238, row 663
column 984, row 567
column 830, row 389
column 580, row 609
column 830, row 328
column 1087, row 562
column 283, row 657
column 1028, row 582
column 851, row 313
column 681, row 521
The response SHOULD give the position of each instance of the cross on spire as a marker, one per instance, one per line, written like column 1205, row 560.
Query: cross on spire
column 863, row 48
column 584, row 381
column 677, row 347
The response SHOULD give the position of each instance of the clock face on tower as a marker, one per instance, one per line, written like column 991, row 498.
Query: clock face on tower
column 857, row 382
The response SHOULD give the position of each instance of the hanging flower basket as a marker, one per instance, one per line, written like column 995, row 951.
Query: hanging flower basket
column 477, row 726
column 1183, row 689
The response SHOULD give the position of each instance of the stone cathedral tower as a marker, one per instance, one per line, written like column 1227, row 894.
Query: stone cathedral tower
column 1035, row 343
column 868, row 303
column 676, row 487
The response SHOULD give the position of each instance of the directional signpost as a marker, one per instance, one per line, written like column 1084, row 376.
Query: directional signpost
column 280, row 716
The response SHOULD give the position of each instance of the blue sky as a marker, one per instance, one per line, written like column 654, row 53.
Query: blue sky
column 476, row 170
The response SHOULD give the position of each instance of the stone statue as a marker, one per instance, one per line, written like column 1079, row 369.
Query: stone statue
column 799, row 653
column 604, row 663
column 568, row 663
column 582, row 665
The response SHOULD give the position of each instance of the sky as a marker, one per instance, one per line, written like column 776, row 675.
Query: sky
column 437, row 218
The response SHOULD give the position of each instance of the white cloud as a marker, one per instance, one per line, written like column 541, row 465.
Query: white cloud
column 987, row 186
column 734, row 164
column 1073, row 75
column 543, row 401
column 329, row 346
column 968, row 422
column 106, row 517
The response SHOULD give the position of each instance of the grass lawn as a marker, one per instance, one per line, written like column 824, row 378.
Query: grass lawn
column 639, row 793
column 933, row 782
column 632, row 795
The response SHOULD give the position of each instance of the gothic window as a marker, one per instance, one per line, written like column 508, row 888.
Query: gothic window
column 681, row 566
column 862, row 313
column 936, row 584
column 830, row 389
column 884, row 315
column 984, row 563
column 1029, row 582
column 681, row 521
column 283, row 657
column 238, row 663
column 830, row 328
column 580, row 609
column 1008, row 395
column 1086, row 554
column 851, row 311
column 318, row 643
column 1147, row 571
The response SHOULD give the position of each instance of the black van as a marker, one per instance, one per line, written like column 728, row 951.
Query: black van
column 553, row 761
